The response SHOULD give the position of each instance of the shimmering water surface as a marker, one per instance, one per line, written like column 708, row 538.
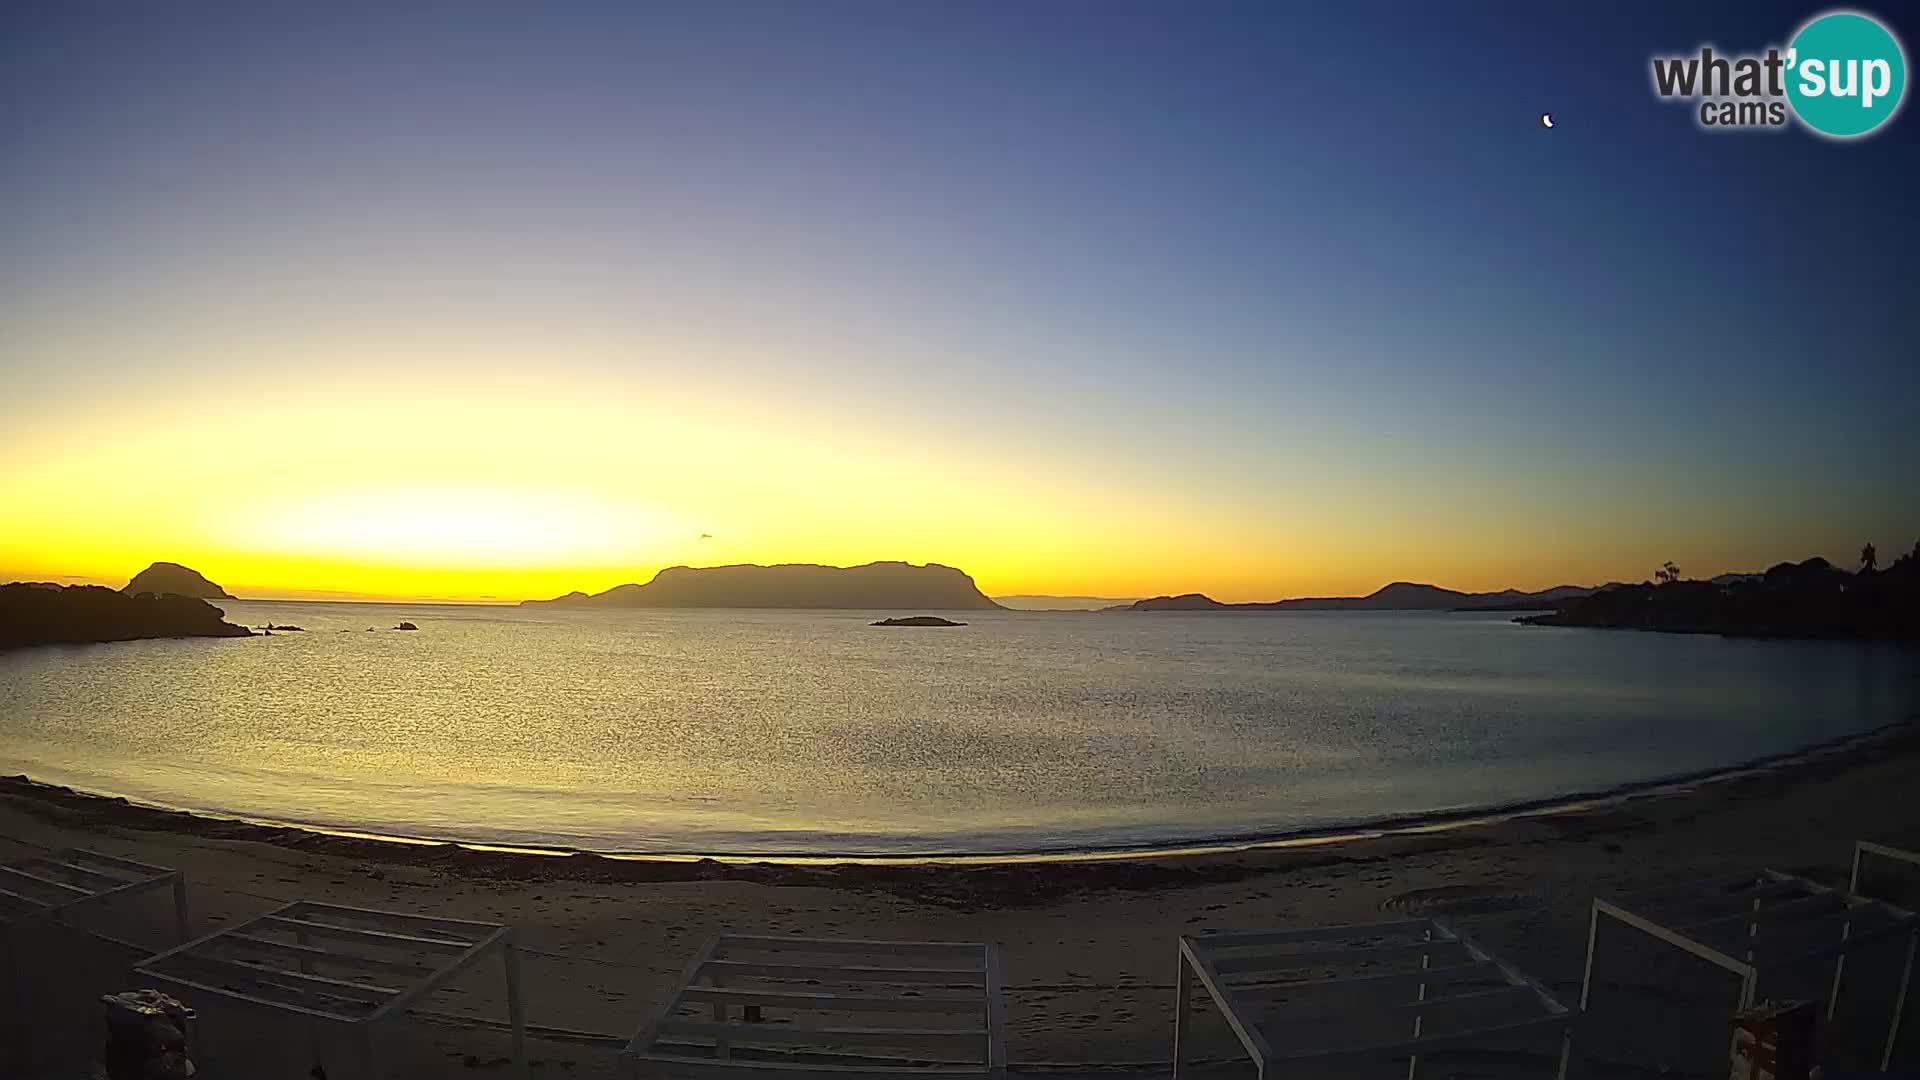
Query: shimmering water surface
column 812, row 732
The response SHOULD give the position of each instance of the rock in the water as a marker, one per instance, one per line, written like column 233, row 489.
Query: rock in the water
column 919, row 620
column 406, row 626
column 166, row 577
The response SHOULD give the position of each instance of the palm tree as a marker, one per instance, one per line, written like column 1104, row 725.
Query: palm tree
column 1867, row 558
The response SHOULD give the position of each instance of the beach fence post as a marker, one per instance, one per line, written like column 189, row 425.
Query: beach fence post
column 1593, row 934
column 996, row 1056
column 1183, row 995
column 1846, row 928
column 180, row 907
column 1420, row 995
column 305, row 940
column 516, row 1014
column 1899, row 1003
column 1566, row 1047
column 722, row 1048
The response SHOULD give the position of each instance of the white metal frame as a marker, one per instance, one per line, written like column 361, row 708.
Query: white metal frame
column 836, row 975
column 1760, row 904
column 1239, row 968
column 382, row 962
column 54, row 885
column 50, row 887
column 1886, row 851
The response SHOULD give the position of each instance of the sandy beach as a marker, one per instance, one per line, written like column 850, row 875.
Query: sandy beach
column 1090, row 945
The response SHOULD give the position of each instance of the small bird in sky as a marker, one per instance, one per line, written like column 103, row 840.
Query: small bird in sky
column 706, row 536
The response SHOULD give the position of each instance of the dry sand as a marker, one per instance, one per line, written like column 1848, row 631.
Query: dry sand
column 1090, row 946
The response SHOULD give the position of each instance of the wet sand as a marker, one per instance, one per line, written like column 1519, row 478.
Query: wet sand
column 1090, row 944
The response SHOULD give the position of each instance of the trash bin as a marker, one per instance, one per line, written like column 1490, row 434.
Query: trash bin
column 148, row 1035
column 1773, row 1041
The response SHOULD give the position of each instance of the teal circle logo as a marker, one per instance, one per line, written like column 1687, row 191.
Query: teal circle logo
column 1846, row 74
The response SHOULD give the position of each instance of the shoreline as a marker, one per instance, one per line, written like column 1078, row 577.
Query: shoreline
column 1044, row 875
column 1089, row 942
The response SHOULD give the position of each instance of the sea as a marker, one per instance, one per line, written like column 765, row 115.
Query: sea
column 813, row 733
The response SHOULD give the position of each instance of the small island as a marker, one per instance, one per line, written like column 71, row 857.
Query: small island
column 918, row 620
column 879, row 586
column 167, row 577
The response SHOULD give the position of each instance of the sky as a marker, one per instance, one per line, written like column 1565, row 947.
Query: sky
column 489, row 301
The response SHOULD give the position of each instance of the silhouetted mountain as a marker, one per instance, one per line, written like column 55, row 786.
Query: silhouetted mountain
column 31, row 614
column 874, row 586
column 1811, row 599
column 1398, row 596
column 166, row 577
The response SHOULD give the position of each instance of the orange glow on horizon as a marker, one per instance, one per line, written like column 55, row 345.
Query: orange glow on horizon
column 508, row 488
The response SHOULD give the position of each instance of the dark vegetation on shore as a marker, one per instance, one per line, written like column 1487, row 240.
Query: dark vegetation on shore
column 1811, row 599
column 44, row 614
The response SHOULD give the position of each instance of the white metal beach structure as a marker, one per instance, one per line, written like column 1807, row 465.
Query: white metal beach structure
column 56, row 885
column 1767, row 921
column 50, row 888
column 346, row 965
column 1862, row 848
column 829, row 1009
column 1381, row 989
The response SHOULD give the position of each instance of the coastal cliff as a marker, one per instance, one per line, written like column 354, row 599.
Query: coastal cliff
column 40, row 614
column 874, row 586
column 166, row 577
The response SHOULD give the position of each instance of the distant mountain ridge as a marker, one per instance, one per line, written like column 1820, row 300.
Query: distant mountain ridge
column 1397, row 596
column 165, row 577
column 877, row 586
column 1045, row 602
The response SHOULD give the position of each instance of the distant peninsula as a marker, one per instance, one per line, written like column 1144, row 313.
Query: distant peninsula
column 166, row 577
column 1038, row 602
column 44, row 614
column 1810, row 599
column 879, row 586
column 1398, row 596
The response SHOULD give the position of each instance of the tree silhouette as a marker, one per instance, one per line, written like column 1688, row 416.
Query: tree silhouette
column 1667, row 574
column 1867, row 559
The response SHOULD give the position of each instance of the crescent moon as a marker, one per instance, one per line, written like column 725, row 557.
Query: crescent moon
column 1546, row 120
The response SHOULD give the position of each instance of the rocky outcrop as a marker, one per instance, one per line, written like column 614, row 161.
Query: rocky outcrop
column 81, row 614
column 166, row 577
column 918, row 620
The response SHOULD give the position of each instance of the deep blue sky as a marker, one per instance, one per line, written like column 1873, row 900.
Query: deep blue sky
column 1239, row 265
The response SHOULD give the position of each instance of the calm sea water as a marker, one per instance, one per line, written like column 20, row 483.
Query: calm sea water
column 812, row 732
